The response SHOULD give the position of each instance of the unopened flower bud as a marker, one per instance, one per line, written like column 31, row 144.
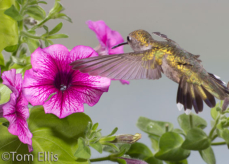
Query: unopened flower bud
column 134, row 161
column 30, row 21
column 127, row 138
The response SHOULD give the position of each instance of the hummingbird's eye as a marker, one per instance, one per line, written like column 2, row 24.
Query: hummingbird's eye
column 128, row 38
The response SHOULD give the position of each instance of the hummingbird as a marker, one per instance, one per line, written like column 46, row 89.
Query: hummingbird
column 149, row 59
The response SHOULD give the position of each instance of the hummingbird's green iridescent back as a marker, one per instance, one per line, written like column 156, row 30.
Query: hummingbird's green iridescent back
column 151, row 58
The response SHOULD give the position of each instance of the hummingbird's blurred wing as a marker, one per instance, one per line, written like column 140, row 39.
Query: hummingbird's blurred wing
column 133, row 65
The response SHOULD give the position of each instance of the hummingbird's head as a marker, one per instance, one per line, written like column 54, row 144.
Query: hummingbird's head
column 139, row 40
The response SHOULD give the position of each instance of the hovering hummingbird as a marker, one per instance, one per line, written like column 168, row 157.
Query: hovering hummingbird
column 150, row 59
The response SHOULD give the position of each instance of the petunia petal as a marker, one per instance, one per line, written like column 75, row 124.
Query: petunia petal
column 52, row 74
column 123, row 81
column 49, row 61
column 37, row 89
column 59, row 54
column 114, row 38
column 107, row 37
column 89, row 88
column 101, row 29
column 12, row 80
column 80, row 52
column 133, row 161
column 16, row 112
column 63, row 104
column 84, row 89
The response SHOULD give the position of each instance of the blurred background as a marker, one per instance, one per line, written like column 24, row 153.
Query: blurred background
column 199, row 26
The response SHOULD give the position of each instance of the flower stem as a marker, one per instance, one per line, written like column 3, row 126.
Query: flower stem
column 167, row 127
column 29, row 35
column 214, row 137
column 100, row 159
column 40, row 24
column 213, row 128
column 191, row 120
column 218, row 143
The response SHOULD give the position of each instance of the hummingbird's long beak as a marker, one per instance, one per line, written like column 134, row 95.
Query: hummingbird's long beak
column 121, row 44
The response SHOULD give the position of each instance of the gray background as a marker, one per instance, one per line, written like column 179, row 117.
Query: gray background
column 200, row 27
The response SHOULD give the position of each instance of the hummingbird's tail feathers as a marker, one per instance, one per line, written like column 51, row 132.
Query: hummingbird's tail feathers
column 121, row 66
column 208, row 98
column 189, row 95
column 219, row 83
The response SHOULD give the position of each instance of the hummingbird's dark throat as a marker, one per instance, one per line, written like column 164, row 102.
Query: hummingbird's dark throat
column 121, row 44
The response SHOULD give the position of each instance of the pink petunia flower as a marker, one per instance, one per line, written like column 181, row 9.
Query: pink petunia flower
column 133, row 161
column 107, row 38
column 52, row 76
column 16, row 110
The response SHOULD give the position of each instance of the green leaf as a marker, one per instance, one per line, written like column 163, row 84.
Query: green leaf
column 83, row 151
column 214, row 112
column 105, row 139
column 113, row 131
column 208, row 155
column 64, row 16
column 121, row 161
column 2, row 62
column 196, row 139
column 11, row 48
column 42, row 2
column 21, row 68
column 17, row 6
column 46, row 43
column 50, row 134
column 55, row 10
column 184, row 122
column 153, row 160
column 123, row 149
column 56, row 29
column 97, row 146
column 153, row 127
column 36, row 12
column 19, row 61
column 2, row 120
column 57, row 36
column 46, row 28
column 225, row 135
column 111, row 145
column 141, row 151
column 21, row 1
column 23, row 53
column 155, row 142
column 71, row 126
column 95, row 126
column 8, row 26
column 50, row 42
column 5, row 94
column 170, row 148
column 179, row 131
column 178, row 162
column 33, row 44
column 13, row 13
